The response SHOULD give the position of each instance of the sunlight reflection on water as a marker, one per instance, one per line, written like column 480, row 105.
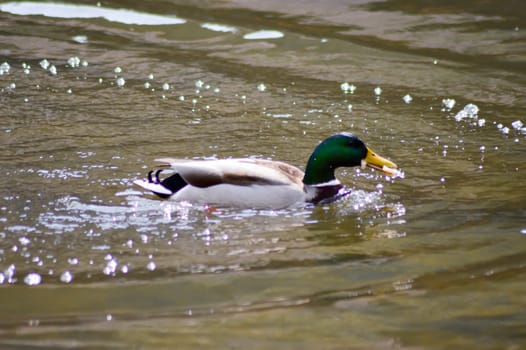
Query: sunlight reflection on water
column 441, row 244
column 109, row 248
column 61, row 10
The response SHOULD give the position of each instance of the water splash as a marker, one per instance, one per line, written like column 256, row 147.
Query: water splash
column 470, row 111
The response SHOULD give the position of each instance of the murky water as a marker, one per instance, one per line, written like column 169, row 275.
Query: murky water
column 434, row 260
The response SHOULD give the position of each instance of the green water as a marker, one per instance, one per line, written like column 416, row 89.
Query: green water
column 433, row 260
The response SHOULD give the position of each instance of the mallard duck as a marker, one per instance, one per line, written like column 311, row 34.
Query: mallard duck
column 259, row 183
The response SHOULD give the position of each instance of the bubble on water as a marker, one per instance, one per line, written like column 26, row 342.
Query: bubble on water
column 481, row 122
column 73, row 261
column 448, row 103
column 2, row 278
column 470, row 111
column 4, row 68
column 125, row 269
column 377, row 91
column 505, row 130
column 84, row 63
column 53, row 70
column 482, row 148
column 69, row 91
column 147, row 85
column 166, row 86
column 66, row 276
column 120, row 81
column 217, row 90
column 12, row 86
column 199, row 84
column 517, row 124
column 33, row 279
column 262, row 87
column 144, row 238
column 117, row 70
column 44, row 64
column 181, row 98
column 349, row 108
column 109, row 317
column 407, row 98
column 523, row 231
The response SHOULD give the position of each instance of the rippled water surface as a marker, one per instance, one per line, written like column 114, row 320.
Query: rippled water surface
column 91, row 93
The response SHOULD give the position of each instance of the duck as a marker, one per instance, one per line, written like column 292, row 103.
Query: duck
column 262, row 183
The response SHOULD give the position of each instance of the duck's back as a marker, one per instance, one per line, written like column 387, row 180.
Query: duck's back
column 254, row 183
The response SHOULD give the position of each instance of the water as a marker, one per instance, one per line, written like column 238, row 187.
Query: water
column 433, row 260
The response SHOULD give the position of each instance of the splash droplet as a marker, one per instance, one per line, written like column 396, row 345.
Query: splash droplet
column 151, row 266
column 33, row 279
column 44, row 64
column 120, row 82
column 66, row 276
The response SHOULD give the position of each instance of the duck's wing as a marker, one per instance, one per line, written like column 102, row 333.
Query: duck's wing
column 240, row 172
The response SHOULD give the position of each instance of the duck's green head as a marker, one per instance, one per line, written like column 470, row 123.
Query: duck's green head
column 342, row 150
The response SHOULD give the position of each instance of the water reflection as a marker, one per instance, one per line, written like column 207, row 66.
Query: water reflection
column 157, row 236
column 62, row 10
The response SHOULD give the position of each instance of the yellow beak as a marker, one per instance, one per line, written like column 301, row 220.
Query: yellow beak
column 375, row 161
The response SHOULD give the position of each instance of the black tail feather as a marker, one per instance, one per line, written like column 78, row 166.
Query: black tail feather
column 172, row 183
